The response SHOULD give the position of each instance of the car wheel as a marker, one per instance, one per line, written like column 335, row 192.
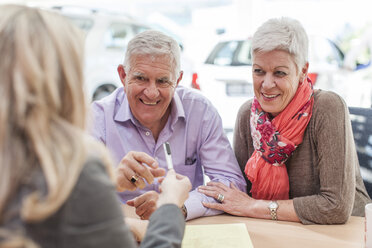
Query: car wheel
column 103, row 90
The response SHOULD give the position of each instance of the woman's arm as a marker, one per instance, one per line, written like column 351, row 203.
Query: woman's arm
column 92, row 216
column 239, row 203
column 336, row 158
column 166, row 228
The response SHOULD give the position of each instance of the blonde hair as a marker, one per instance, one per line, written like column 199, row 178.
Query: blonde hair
column 42, row 108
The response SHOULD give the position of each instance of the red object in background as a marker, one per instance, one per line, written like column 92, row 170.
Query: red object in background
column 194, row 82
column 313, row 77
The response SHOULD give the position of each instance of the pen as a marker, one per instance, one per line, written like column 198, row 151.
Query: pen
column 168, row 155
column 205, row 177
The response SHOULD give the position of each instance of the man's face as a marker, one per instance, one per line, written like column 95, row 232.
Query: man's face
column 150, row 85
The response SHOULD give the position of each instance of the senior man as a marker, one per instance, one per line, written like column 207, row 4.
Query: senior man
column 150, row 109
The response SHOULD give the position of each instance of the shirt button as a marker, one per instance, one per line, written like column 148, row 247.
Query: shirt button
column 147, row 133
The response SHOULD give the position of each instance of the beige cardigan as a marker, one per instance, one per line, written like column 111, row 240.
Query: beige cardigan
column 324, row 175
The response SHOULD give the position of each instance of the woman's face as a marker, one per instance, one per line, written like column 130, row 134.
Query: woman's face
column 275, row 79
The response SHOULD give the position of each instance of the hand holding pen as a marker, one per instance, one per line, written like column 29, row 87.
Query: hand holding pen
column 134, row 168
column 168, row 155
column 174, row 187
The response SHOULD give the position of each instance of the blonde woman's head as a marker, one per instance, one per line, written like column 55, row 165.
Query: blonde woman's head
column 42, row 108
column 41, row 68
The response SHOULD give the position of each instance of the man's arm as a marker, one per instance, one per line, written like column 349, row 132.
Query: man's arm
column 219, row 162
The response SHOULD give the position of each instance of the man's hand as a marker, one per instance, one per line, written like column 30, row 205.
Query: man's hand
column 145, row 204
column 139, row 165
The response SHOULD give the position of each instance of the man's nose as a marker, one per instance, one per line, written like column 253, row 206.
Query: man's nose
column 151, row 90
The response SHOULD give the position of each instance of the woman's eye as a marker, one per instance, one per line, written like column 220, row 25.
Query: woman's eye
column 258, row 71
column 280, row 73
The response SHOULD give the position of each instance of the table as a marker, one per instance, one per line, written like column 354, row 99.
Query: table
column 270, row 234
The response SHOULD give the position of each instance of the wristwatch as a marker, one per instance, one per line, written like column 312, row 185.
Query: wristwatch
column 273, row 206
column 184, row 211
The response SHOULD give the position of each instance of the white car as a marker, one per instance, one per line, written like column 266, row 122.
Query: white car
column 107, row 35
column 226, row 75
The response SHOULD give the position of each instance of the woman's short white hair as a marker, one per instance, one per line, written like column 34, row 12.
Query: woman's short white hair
column 154, row 43
column 285, row 34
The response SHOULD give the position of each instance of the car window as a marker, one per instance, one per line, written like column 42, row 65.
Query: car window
column 223, row 53
column 139, row 29
column 324, row 51
column 85, row 24
column 118, row 35
column 243, row 56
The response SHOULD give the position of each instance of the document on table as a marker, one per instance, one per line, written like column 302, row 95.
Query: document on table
column 217, row 236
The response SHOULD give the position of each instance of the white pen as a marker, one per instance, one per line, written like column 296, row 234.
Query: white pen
column 205, row 177
column 168, row 155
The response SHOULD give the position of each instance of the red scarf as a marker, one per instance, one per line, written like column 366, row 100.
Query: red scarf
column 274, row 141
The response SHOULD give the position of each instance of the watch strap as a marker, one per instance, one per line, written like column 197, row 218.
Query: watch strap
column 273, row 207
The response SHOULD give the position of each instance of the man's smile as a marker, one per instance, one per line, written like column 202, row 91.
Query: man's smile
column 149, row 103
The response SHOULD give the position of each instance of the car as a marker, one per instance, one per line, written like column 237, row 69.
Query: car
column 225, row 77
column 107, row 35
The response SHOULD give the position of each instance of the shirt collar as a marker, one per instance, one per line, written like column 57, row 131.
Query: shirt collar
column 123, row 114
column 177, row 111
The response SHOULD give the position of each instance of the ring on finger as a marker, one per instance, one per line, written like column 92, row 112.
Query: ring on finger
column 220, row 198
column 134, row 178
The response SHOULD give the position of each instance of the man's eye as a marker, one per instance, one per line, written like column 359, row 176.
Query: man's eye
column 164, row 82
column 140, row 78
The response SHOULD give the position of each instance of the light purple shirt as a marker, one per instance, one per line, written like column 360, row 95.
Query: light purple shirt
column 194, row 132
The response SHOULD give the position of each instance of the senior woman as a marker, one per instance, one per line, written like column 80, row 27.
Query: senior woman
column 294, row 144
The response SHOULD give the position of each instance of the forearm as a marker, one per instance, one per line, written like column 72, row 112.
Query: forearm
column 285, row 211
column 194, row 204
column 195, row 207
column 324, row 208
column 166, row 228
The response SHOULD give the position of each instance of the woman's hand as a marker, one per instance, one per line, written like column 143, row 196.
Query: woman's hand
column 174, row 188
column 138, row 227
column 234, row 201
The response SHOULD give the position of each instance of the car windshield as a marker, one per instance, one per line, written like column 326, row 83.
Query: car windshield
column 84, row 23
column 231, row 53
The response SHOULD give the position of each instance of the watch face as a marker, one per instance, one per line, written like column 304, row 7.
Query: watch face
column 273, row 205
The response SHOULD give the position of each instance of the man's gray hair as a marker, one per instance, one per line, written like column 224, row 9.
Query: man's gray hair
column 282, row 34
column 154, row 43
